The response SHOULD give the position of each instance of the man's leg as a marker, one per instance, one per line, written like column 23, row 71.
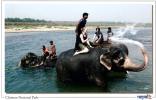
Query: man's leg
column 77, row 43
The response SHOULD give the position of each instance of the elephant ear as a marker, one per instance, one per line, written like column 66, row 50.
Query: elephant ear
column 105, row 61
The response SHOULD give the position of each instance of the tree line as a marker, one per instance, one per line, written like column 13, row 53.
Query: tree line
column 37, row 22
column 23, row 20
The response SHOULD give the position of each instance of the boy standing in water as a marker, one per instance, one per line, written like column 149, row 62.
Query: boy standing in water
column 81, row 24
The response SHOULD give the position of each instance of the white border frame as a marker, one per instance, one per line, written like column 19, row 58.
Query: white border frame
column 65, row 95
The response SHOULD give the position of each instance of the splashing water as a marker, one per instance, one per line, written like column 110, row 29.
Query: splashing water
column 128, row 30
column 126, row 40
column 119, row 36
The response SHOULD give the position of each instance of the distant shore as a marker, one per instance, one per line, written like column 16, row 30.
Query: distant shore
column 32, row 25
column 38, row 29
column 47, row 29
column 35, row 25
column 54, row 28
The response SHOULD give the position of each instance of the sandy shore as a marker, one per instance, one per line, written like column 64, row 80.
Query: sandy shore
column 54, row 28
column 39, row 29
column 45, row 29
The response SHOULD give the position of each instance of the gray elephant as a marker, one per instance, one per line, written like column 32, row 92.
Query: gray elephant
column 31, row 60
column 95, row 66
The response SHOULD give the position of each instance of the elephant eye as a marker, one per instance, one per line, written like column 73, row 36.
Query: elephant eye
column 121, row 62
column 116, row 54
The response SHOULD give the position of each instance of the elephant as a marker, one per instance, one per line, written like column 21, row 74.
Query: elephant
column 95, row 66
column 31, row 60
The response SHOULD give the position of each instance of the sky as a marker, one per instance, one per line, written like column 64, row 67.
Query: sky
column 73, row 12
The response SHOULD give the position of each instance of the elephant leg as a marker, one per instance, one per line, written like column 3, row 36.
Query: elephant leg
column 62, row 73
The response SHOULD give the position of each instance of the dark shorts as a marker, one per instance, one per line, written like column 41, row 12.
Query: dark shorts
column 78, row 41
column 82, row 46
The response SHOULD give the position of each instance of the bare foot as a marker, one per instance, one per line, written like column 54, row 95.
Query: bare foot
column 76, row 53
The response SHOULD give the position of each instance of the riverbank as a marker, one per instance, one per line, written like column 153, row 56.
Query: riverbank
column 56, row 28
column 38, row 29
column 45, row 26
column 48, row 29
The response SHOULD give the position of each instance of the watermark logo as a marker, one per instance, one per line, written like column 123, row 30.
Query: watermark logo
column 143, row 97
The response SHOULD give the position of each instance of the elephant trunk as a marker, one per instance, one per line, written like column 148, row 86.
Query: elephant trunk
column 130, row 66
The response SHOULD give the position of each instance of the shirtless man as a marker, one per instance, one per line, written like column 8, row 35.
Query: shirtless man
column 52, row 50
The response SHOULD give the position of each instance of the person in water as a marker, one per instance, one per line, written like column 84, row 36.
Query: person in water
column 84, row 42
column 98, row 37
column 81, row 24
column 109, row 34
column 52, row 50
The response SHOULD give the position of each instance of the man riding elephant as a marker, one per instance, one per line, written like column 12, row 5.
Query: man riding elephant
column 81, row 24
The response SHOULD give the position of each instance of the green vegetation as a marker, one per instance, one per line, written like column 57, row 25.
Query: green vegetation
column 27, row 23
column 23, row 20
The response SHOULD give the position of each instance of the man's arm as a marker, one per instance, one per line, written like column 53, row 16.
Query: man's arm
column 99, row 38
column 94, row 37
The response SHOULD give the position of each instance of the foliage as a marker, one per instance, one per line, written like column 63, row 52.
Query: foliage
column 30, row 22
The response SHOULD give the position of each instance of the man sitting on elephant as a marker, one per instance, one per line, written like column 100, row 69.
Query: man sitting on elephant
column 84, row 42
column 109, row 34
column 45, row 53
column 52, row 50
column 98, row 37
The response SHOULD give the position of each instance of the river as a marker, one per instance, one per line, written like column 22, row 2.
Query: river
column 18, row 80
